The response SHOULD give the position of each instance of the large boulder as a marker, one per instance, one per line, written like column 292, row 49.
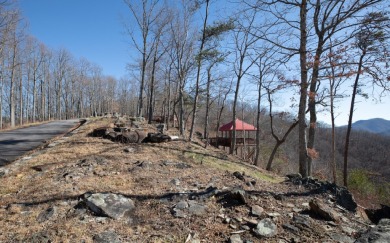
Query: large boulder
column 108, row 204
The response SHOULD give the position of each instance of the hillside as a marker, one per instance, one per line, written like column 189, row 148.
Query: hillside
column 90, row 189
column 376, row 125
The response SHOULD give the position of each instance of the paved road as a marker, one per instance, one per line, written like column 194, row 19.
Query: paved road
column 15, row 143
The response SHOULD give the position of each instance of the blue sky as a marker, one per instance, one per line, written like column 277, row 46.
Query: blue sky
column 94, row 29
column 87, row 28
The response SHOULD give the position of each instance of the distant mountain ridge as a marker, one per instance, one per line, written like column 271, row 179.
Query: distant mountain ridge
column 375, row 125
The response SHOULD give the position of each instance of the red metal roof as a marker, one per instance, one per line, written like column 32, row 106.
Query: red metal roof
column 240, row 126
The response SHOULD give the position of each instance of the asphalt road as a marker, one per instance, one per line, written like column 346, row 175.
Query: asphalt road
column 16, row 143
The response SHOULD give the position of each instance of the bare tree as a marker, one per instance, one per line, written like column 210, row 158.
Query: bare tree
column 182, row 44
column 244, row 42
column 145, row 17
column 371, row 42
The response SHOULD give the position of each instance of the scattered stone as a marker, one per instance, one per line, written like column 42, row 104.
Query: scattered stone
column 129, row 150
column 227, row 220
column 322, row 210
column 297, row 210
column 265, row 228
column 379, row 234
column 252, row 222
column 234, row 197
column 47, row 214
column 238, row 219
column 341, row 238
column 256, row 210
column 245, row 227
column 233, row 226
column 273, row 215
column 106, row 237
column 302, row 221
column 192, row 238
column 235, row 238
column 291, row 228
column 175, row 182
column 108, row 204
column 3, row 172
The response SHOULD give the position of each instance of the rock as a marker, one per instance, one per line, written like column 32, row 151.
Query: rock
column 129, row 150
column 106, row 237
column 256, row 210
column 301, row 221
column 245, row 227
column 175, row 182
column 291, row 228
column 235, row 197
column 47, row 214
column 375, row 215
column 239, row 195
column 235, row 239
column 273, row 215
column 345, row 199
column 178, row 213
column 265, row 228
column 239, row 176
column 181, row 205
column 341, row 238
column 195, row 208
column 108, row 204
column 192, row 238
column 251, row 222
column 379, row 234
column 295, row 178
column 322, row 210
column 3, row 171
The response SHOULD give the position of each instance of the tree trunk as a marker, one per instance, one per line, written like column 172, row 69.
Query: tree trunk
column 257, row 157
column 349, row 127
column 199, row 62
column 303, row 157
column 207, row 116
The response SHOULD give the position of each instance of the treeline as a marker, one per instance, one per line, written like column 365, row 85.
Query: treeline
column 38, row 83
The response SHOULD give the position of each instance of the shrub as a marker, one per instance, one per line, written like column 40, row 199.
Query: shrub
column 359, row 180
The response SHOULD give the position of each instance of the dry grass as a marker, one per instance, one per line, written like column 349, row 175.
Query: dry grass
column 26, row 191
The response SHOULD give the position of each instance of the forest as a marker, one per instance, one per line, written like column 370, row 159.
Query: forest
column 202, row 67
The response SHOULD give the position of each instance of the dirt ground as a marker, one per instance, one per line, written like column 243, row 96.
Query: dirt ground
column 41, row 196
